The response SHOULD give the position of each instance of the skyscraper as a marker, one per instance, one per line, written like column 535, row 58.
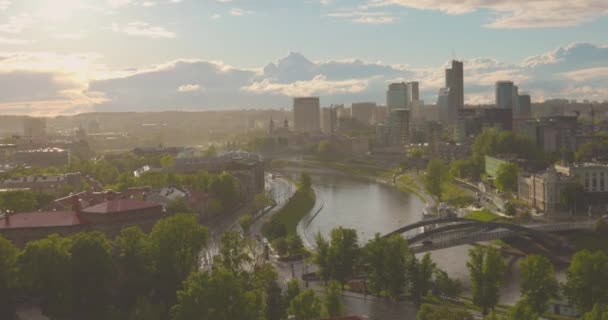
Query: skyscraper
column 506, row 95
column 398, row 127
column 363, row 112
column 454, row 79
column 329, row 120
column 306, row 114
column 524, row 106
column 396, row 96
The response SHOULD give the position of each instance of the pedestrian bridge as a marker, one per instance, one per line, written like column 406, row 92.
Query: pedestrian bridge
column 443, row 233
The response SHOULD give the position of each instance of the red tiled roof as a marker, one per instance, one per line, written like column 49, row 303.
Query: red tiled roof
column 120, row 205
column 346, row 318
column 41, row 219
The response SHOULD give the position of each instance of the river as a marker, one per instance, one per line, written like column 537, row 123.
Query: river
column 371, row 208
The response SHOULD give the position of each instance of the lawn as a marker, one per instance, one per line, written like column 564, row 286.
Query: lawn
column 483, row 215
column 300, row 204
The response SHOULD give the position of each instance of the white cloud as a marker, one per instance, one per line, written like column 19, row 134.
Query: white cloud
column 142, row 29
column 515, row 14
column 216, row 16
column 365, row 17
column 16, row 24
column 189, row 88
column 587, row 74
column 319, row 85
column 237, row 12
column 4, row 4
column 13, row 41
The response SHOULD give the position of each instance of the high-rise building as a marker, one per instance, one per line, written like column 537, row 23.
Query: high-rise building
column 450, row 99
column 454, row 79
column 524, row 106
column 401, row 95
column 363, row 112
column 506, row 95
column 380, row 114
column 306, row 114
column 329, row 120
column 399, row 127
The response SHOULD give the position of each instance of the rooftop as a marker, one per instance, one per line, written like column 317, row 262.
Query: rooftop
column 41, row 220
column 120, row 205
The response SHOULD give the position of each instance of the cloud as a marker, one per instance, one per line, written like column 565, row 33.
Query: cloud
column 189, row 88
column 515, row 14
column 16, row 24
column 13, row 41
column 237, row 12
column 365, row 17
column 55, row 83
column 142, row 29
column 319, row 85
column 4, row 4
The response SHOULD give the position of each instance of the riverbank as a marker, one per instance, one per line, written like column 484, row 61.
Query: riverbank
column 300, row 204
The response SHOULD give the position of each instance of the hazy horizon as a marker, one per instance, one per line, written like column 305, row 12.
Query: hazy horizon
column 131, row 55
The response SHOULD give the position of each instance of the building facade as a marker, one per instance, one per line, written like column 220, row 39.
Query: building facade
column 399, row 127
column 543, row 191
column 363, row 112
column 307, row 114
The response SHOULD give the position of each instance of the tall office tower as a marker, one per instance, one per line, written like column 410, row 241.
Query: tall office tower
column 396, row 96
column 412, row 92
column 506, row 94
column 454, row 80
column 524, row 106
column 306, row 114
column 398, row 127
column 448, row 110
column 363, row 112
column 380, row 114
column 329, row 120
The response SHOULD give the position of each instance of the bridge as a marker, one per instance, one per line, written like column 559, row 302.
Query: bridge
column 451, row 232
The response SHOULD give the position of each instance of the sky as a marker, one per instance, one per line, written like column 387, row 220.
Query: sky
column 70, row 56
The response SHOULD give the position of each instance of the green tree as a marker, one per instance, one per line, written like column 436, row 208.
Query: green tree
column 343, row 253
column 599, row 312
column 444, row 286
column 572, row 197
column 429, row 312
column 523, row 310
column 584, row 152
column 220, row 295
column 275, row 305
column 45, row 272
column 305, row 181
column 332, row 302
column 293, row 290
column 232, row 254
column 321, row 257
column 261, row 201
column 225, row 187
column 175, row 244
column 486, row 269
column 246, row 222
column 18, row 201
column 587, row 283
column 420, row 277
column 135, row 264
column 306, row 306
column 434, row 178
column 166, row 161
column 91, row 270
column 179, row 205
column 211, row 151
column 386, row 262
column 324, row 149
column 295, row 246
column 506, row 177
column 8, row 273
column 538, row 282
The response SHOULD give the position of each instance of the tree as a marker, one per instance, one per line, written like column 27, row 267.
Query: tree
column 420, row 277
column 275, row 305
column 584, row 151
column 486, row 269
column 321, row 257
column 587, row 283
column 225, row 187
column 599, row 312
column 219, row 295
column 232, row 255
column 343, row 253
column 510, row 209
column 295, row 245
column 166, row 161
column 18, row 201
column 135, row 263
column 211, row 151
column 91, row 270
column 293, row 290
column 444, row 286
column 465, row 169
column 175, row 244
column 324, row 149
column 261, row 201
column 506, row 177
column 429, row 312
column 523, row 310
column 572, row 197
column 246, row 222
column 435, row 175
column 306, row 306
column 332, row 302
column 8, row 272
column 45, row 271
column 386, row 262
column 179, row 205
column 538, row 282
column 305, row 181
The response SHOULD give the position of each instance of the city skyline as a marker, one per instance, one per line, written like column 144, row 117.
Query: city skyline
column 122, row 55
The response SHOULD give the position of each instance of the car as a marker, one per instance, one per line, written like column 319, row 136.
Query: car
column 427, row 243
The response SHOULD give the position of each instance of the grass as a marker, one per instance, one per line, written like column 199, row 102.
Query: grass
column 483, row 215
column 298, row 206
column 456, row 196
column 407, row 184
